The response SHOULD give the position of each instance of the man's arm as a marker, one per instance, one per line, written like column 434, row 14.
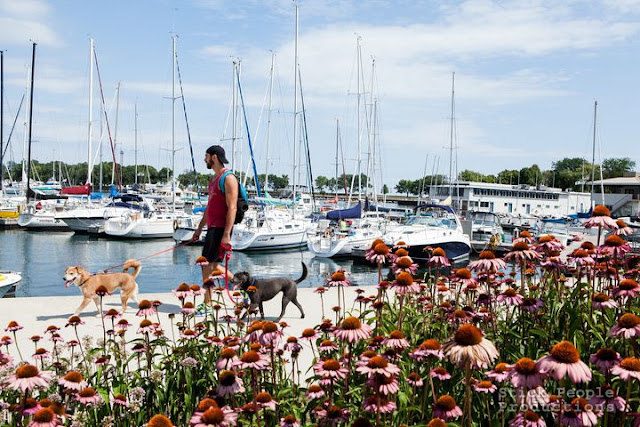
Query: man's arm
column 231, row 197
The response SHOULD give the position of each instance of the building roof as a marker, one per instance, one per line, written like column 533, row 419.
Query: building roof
column 619, row 181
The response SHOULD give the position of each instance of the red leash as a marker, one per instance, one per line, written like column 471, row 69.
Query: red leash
column 225, row 251
column 172, row 248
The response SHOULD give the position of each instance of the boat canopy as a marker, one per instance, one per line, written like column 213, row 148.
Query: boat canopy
column 78, row 190
column 433, row 205
column 349, row 213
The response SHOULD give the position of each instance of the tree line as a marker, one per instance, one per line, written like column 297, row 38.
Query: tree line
column 568, row 174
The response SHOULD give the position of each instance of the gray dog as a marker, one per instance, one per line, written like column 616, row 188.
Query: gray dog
column 266, row 289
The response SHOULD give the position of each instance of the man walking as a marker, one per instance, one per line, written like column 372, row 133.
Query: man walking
column 219, row 214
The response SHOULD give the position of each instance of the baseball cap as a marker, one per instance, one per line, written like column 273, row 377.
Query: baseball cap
column 218, row 151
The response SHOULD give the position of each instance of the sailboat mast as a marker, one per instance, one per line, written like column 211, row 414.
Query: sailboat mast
column 453, row 81
column 90, row 127
column 337, row 147
column 1, row 121
column 115, row 133
column 33, row 70
column 295, row 106
column 135, row 142
column 593, row 156
column 173, row 124
column 359, row 157
column 266, row 166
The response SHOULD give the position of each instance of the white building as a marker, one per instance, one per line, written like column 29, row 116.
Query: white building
column 512, row 199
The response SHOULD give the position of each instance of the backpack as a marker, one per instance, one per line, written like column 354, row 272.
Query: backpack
column 243, row 199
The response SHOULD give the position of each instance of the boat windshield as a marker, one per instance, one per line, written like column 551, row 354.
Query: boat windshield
column 433, row 221
column 554, row 228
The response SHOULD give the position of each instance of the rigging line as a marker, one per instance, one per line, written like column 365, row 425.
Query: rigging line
column 246, row 125
column 106, row 118
column 306, row 140
column 184, row 108
column 15, row 120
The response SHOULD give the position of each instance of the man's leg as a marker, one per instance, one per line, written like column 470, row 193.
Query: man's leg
column 206, row 272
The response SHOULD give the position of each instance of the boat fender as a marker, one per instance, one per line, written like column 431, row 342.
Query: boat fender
column 175, row 224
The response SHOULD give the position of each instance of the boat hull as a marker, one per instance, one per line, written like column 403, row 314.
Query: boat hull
column 43, row 221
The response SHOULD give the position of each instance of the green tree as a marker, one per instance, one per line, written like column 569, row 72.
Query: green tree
column 321, row 183
column 615, row 167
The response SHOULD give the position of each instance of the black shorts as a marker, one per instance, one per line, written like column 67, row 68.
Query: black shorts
column 211, row 249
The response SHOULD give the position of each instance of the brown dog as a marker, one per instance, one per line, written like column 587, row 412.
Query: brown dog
column 88, row 283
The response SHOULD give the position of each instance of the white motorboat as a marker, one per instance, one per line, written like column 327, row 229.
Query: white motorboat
column 271, row 229
column 486, row 232
column 186, row 226
column 154, row 224
column 432, row 226
column 8, row 282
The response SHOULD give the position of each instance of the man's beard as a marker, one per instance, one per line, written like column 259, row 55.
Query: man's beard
column 209, row 165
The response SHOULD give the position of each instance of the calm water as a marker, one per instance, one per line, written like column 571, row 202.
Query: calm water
column 43, row 256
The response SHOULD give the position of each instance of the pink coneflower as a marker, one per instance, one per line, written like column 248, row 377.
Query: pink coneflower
column 28, row 377
column 338, row 278
column 396, row 341
column 119, row 400
column 292, row 345
column 509, row 297
column 378, row 365
column 404, row 264
column 378, row 254
column 554, row 263
column 440, row 373
column 146, row 326
column 188, row 308
column 439, row 258
column 145, row 308
column 315, row 392
column 327, row 346
column 623, row 228
column 379, row 404
column 88, row 396
column 183, row 291
column 352, row 329
column 29, row 406
column 332, row 416
column 202, row 261
column 289, row 421
column 463, row 275
column 13, row 326
column 40, row 354
column 531, row 304
column 330, row 369
column 229, row 383
column 102, row 360
column 601, row 217
column 214, row 417
column 123, row 324
column 428, row 348
column 404, row 284
column 602, row 301
column 564, row 360
column 579, row 413
column 548, row 243
column 581, row 257
column 253, row 359
column 525, row 373
column 139, row 348
column 605, row 359
column 446, row 408
column 44, row 417
column 627, row 288
column 608, row 401
column 527, row 419
column 628, row 369
column 196, row 290
column 73, row 380
column 415, row 380
column 484, row 387
column 189, row 334
column 159, row 420
column 500, row 373
column 628, row 326
column 487, row 262
column 614, row 246
column 320, row 290
column 520, row 252
column 265, row 401
column 468, row 345
column 310, row 335
column 112, row 314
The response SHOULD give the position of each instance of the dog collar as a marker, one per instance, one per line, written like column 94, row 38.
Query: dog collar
column 80, row 285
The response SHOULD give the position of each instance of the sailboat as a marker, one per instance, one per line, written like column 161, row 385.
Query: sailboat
column 154, row 222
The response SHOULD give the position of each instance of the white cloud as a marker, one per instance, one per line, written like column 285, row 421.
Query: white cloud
column 23, row 21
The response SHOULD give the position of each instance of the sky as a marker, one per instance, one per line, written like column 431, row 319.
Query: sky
column 527, row 74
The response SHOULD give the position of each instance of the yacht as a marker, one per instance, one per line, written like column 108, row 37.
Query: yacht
column 486, row 232
column 432, row 226
column 270, row 229
column 41, row 215
column 8, row 282
column 151, row 222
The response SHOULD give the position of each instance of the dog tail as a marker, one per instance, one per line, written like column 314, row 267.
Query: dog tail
column 132, row 263
column 304, row 273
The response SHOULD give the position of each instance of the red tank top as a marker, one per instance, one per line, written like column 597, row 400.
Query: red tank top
column 217, row 204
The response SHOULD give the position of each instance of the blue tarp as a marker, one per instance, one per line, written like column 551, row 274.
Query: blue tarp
column 349, row 213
